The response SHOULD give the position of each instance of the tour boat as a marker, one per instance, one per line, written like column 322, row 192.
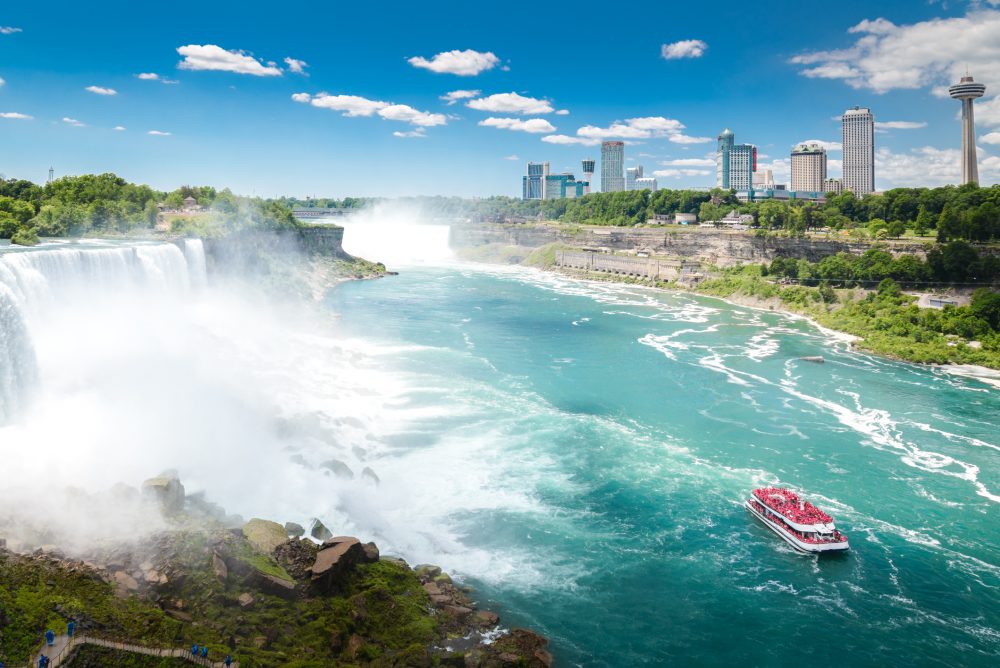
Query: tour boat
column 803, row 526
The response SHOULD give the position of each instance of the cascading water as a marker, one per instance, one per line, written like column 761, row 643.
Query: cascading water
column 194, row 253
column 17, row 357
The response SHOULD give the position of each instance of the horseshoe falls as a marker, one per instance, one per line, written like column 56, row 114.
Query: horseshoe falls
column 576, row 452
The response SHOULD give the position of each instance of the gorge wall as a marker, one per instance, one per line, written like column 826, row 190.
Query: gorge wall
column 717, row 247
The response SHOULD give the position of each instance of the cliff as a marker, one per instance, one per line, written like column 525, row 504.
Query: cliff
column 721, row 248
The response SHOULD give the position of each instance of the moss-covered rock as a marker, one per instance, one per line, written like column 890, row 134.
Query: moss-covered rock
column 265, row 535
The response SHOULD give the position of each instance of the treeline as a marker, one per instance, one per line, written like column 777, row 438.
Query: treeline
column 108, row 204
column 955, row 262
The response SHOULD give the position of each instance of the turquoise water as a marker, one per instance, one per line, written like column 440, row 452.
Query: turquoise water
column 579, row 452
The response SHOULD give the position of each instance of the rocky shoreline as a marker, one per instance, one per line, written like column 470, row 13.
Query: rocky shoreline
column 259, row 591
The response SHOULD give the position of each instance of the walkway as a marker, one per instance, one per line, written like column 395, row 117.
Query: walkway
column 62, row 649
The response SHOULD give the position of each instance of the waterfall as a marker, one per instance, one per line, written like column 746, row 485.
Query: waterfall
column 37, row 281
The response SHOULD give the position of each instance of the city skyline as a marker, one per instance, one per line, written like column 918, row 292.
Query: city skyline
column 204, row 95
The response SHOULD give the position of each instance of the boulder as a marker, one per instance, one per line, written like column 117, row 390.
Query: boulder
column 338, row 468
column 336, row 558
column 245, row 600
column 219, row 567
column 265, row 535
column 320, row 532
column 366, row 472
column 371, row 552
column 427, row 571
column 272, row 584
column 294, row 530
column 167, row 491
column 485, row 618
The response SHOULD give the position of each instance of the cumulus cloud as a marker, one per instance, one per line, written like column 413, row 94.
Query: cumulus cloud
column 9, row 30
column 15, row 115
column 990, row 138
column 511, row 157
column 927, row 54
column 215, row 58
column 566, row 139
column 828, row 145
column 456, row 95
column 148, row 76
column 562, row 112
column 678, row 173
column 684, row 139
column 296, row 66
column 533, row 125
column 686, row 48
column 410, row 134
column 354, row 106
column 463, row 63
column 689, row 162
column 2, row 82
column 929, row 166
column 98, row 90
column 510, row 103
column 72, row 121
column 119, row 128
column 159, row 133
column 899, row 125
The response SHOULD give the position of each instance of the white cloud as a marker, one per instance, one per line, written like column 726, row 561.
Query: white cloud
column 119, row 128
column 781, row 168
column 689, row 162
column 566, row 139
column 511, row 157
column 296, row 66
column 98, row 90
column 418, row 133
column 929, row 166
column 687, row 48
column 456, row 95
column 407, row 114
column 990, row 138
column 14, row 114
column 900, row 125
column 929, row 54
column 828, row 145
column 2, row 82
column 533, row 125
column 562, row 112
column 510, row 103
column 684, row 139
column 634, row 128
column 9, row 30
column 148, row 76
column 463, row 63
column 159, row 133
column 212, row 57
column 988, row 112
column 678, row 173
column 73, row 122
column 354, row 106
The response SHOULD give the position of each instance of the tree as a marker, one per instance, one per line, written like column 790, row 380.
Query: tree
column 985, row 304
column 925, row 221
column 895, row 229
column 948, row 225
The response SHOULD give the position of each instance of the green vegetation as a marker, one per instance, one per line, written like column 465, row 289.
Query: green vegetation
column 544, row 257
column 106, row 204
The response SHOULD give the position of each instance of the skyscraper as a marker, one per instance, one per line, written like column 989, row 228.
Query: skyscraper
column 632, row 174
column 968, row 90
column 858, row 132
column 646, row 183
column 808, row 167
column 533, row 183
column 612, row 166
column 726, row 141
column 588, row 173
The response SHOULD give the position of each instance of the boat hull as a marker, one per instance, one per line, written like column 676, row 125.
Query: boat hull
column 805, row 548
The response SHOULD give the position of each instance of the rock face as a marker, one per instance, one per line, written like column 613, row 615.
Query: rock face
column 294, row 530
column 265, row 535
column 219, row 567
column 338, row 468
column 319, row 531
column 335, row 559
column 167, row 491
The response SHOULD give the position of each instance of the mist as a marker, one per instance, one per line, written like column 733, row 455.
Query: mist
column 398, row 234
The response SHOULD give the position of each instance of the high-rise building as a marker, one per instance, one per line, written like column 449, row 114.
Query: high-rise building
column 533, row 183
column 726, row 141
column 763, row 179
column 646, row 183
column 858, row 132
column 735, row 163
column 631, row 175
column 565, row 185
column 612, row 166
column 968, row 90
column 588, row 174
column 808, row 167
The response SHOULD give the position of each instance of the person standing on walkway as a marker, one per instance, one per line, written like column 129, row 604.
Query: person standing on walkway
column 228, row 662
column 194, row 650
column 50, row 636
column 204, row 651
column 70, row 628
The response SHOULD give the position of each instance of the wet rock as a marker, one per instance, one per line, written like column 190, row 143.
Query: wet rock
column 336, row 558
column 338, row 468
column 126, row 582
column 432, row 589
column 294, row 530
column 319, row 531
column 245, row 600
column 272, row 584
column 265, row 535
column 485, row 618
column 371, row 552
column 427, row 571
column 366, row 472
column 167, row 491
column 459, row 611
column 397, row 561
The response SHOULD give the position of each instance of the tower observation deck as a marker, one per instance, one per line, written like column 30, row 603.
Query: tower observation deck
column 968, row 90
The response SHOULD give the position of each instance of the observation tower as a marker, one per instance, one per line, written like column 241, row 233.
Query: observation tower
column 967, row 90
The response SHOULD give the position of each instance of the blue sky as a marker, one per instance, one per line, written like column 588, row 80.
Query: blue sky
column 365, row 114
